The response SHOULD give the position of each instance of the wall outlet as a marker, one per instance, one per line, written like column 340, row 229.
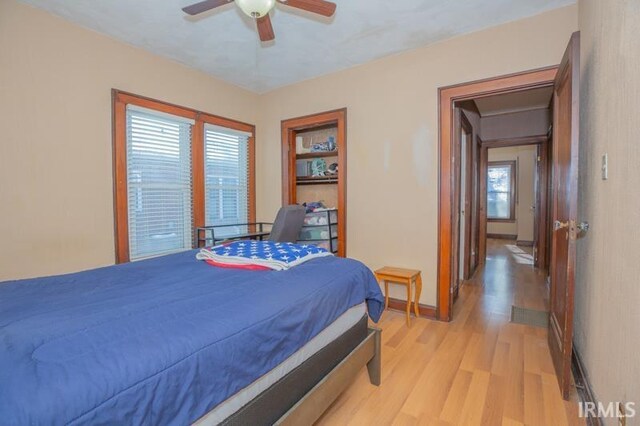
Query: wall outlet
column 605, row 166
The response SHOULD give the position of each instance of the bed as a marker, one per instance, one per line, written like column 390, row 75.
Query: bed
column 172, row 340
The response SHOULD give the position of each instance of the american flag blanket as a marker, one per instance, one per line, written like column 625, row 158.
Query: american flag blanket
column 260, row 255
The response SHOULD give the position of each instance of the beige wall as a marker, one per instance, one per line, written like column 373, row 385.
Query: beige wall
column 53, row 72
column 392, row 133
column 607, row 309
column 525, row 158
column 56, row 211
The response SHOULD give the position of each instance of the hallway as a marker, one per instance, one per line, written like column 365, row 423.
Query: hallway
column 478, row 369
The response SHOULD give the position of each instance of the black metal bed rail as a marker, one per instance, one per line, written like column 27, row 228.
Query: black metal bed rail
column 201, row 238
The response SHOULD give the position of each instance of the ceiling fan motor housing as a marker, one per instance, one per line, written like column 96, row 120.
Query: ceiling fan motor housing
column 256, row 8
column 259, row 10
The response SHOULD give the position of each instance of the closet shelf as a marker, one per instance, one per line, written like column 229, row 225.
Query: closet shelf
column 319, row 154
column 316, row 180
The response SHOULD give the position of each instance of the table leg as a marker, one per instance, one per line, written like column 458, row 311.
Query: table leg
column 416, row 308
column 386, row 294
column 409, row 303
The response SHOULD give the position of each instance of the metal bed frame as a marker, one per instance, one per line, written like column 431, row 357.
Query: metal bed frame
column 305, row 393
column 203, row 234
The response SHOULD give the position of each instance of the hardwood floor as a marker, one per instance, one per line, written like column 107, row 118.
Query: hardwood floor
column 477, row 369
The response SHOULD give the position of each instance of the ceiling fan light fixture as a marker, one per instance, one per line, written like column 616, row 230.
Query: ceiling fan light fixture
column 256, row 8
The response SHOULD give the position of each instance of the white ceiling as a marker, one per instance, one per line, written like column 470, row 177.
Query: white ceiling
column 514, row 102
column 224, row 43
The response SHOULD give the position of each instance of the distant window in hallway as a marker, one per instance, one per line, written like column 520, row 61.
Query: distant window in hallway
column 501, row 191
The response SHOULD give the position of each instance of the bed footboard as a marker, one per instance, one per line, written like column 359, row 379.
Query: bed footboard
column 318, row 399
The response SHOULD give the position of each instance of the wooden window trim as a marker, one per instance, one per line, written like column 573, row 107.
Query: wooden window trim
column 512, row 189
column 120, row 100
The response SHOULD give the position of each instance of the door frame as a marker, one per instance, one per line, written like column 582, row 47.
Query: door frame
column 543, row 77
column 542, row 230
column 540, row 141
column 468, row 209
column 462, row 125
column 479, row 182
column 289, row 129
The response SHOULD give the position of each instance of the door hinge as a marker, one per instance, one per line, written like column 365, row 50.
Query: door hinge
column 570, row 226
column 558, row 224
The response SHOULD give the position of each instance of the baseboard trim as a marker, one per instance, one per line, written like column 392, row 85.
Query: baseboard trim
column 502, row 236
column 583, row 386
column 426, row 311
column 524, row 243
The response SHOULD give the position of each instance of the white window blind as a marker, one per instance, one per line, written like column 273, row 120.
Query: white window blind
column 226, row 178
column 499, row 190
column 158, row 183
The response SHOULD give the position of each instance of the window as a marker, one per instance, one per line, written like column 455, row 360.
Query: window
column 501, row 184
column 158, row 183
column 226, row 178
column 176, row 169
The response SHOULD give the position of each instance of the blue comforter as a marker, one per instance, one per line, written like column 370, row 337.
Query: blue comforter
column 161, row 341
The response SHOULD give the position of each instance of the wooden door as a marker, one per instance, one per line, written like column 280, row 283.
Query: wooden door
column 541, row 230
column 467, row 200
column 477, row 205
column 565, row 203
column 455, row 211
column 462, row 202
column 549, row 207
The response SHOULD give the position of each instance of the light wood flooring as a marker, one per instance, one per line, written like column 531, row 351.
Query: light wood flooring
column 477, row 369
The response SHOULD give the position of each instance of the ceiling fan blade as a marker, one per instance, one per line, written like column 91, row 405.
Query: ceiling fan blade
column 203, row 6
column 265, row 29
column 320, row 7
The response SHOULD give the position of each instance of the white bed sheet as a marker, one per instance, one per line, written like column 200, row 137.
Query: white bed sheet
column 326, row 336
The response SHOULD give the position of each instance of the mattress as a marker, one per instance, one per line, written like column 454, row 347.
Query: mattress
column 161, row 341
column 326, row 336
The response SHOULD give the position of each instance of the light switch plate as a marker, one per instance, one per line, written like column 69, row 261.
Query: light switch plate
column 605, row 167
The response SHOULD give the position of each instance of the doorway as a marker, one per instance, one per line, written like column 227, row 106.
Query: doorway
column 452, row 105
column 514, row 190
column 503, row 131
column 561, row 152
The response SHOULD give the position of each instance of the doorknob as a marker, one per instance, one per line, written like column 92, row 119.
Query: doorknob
column 559, row 225
column 573, row 227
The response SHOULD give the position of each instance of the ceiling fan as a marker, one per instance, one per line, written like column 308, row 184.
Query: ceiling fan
column 259, row 10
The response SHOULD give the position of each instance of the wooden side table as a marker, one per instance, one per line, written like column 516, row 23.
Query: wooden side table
column 405, row 277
